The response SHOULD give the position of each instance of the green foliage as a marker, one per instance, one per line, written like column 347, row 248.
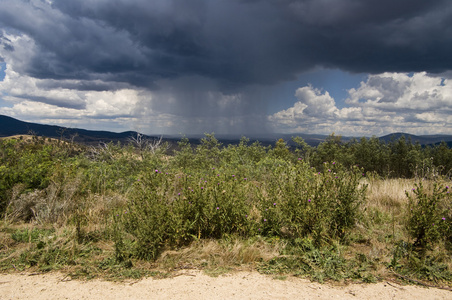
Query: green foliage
column 408, row 261
column 310, row 199
column 147, row 220
column 442, row 157
column 208, row 152
column 296, row 201
column 184, row 157
column 47, row 250
column 332, row 149
column 281, row 150
column 169, row 211
column 302, row 150
column 429, row 215
column 30, row 235
column 371, row 154
column 302, row 257
column 243, row 157
column 27, row 164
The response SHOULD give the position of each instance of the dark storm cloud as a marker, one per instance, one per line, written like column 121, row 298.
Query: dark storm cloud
column 5, row 43
column 60, row 102
column 82, row 85
column 391, row 89
column 235, row 43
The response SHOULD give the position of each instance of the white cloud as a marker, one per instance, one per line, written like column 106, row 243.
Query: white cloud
column 184, row 105
column 47, row 101
column 318, row 105
column 30, row 99
column 312, row 109
column 114, row 106
column 419, row 103
column 112, row 103
column 385, row 103
column 395, row 91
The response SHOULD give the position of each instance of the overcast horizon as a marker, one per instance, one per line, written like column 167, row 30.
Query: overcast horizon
column 244, row 67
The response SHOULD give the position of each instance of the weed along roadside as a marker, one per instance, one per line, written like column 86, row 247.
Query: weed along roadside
column 361, row 211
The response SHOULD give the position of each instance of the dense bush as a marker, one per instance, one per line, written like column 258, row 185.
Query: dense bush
column 154, row 200
column 429, row 215
column 298, row 201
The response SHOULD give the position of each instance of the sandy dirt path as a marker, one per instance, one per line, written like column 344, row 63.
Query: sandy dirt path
column 196, row 285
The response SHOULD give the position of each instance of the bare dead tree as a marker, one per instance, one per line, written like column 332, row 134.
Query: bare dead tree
column 139, row 141
column 102, row 152
column 154, row 145
column 144, row 144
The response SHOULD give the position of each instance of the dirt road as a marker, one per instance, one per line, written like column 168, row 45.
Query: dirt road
column 196, row 285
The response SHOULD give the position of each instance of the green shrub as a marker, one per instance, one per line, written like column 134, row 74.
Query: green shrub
column 297, row 201
column 429, row 216
column 172, row 210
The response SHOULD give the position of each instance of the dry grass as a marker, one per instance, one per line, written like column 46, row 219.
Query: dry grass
column 6, row 242
column 58, row 203
column 23, row 137
column 100, row 207
column 26, row 138
column 221, row 254
column 385, row 216
column 389, row 193
column 385, row 209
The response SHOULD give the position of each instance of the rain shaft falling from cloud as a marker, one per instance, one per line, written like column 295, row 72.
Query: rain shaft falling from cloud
column 208, row 65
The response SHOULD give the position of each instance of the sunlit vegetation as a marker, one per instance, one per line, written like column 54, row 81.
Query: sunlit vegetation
column 362, row 210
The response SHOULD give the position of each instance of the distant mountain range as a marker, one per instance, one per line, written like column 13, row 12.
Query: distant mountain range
column 421, row 139
column 10, row 126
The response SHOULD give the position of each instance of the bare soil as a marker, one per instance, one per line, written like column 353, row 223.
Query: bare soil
column 193, row 284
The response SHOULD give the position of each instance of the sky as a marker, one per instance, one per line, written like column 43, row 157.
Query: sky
column 243, row 67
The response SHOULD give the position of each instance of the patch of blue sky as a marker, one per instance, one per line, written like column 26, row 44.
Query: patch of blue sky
column 334, row 81
column 2, row 70
column 3, row 103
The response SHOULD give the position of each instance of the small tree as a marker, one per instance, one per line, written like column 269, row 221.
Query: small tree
column 281, row 150
column 303, row 150
column 208, row 152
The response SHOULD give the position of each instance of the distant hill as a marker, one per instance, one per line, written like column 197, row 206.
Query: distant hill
column 10, row 126
column 421, row 139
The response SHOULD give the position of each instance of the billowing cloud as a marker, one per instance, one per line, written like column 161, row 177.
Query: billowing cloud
column 385, row 103
column 235, row 42
column 389, row 91
column 201, row 65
